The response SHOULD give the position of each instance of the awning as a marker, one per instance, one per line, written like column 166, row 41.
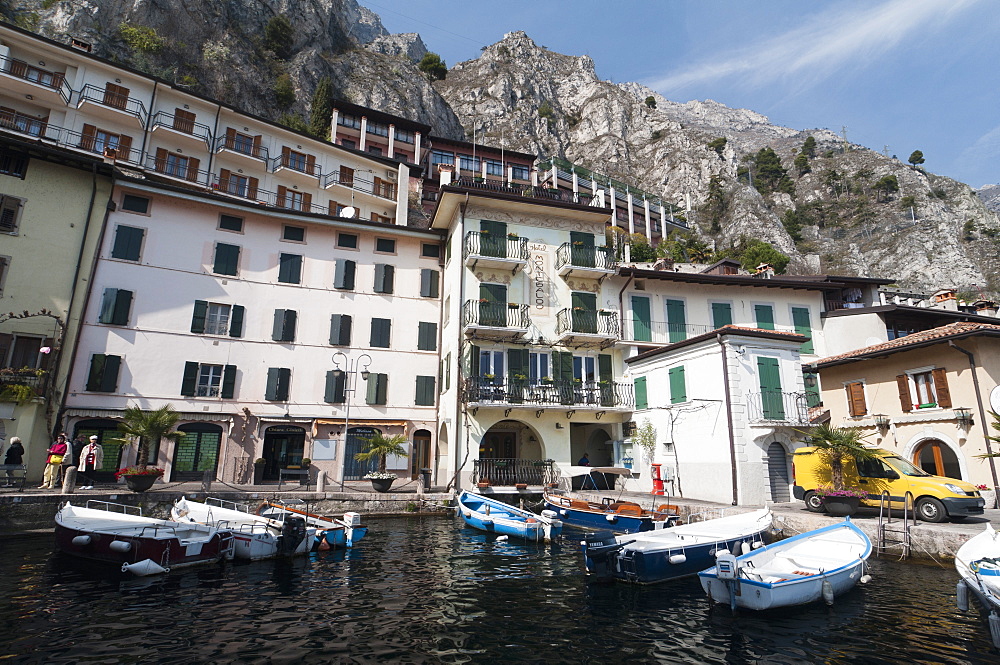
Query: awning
column 573, row 470
column 119, row 413
column 362, row 423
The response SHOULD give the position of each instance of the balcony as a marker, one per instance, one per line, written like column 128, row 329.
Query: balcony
column 658, row 333
column 116, row 102
column 492, row 251
column 582, row 261
column 183, row 127
column 509, row 472
column 567, row 394
column 495, row 320
column 19, row 384
column 383, row 190
column 66, row 138
column 241, row 145
column 241, row 188
column 582, row 327
column 776, row 408
column 302, row 169
column 172, row 168
column 23, row 124
column 30, row 80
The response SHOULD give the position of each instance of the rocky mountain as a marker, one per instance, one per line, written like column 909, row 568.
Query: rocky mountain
column 830, row 205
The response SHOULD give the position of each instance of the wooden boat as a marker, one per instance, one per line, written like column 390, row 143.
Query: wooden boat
column 121, row 535
column 666, row 554
column 256, row 537
column 819, row 564
column 331, row 532
column 978, row 563
column 618, row 516
column 493, row 516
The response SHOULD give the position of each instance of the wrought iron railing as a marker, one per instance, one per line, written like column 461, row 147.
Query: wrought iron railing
column 778, row 407
column 587, row 321
column 183, row 125
column 548, row 392
column 295, row 164
column 582, row 256
column 527, row 191
column 480, row 243
column 177, row 169
column 114, row 100
column 35, row 379
column 25, row 124
column 386, row 190
column 43, row 77
column 66, row 138
column 237, row 187
column 241, row 145
column 495, row 315
column 507, row 472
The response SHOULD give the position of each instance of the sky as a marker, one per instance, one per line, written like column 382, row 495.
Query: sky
column 899, row 75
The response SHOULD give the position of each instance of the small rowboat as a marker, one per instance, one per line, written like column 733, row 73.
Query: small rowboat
column 812, row 566
column 493, row 516
column 618, row 516
column 978, row 563
column 331, row 532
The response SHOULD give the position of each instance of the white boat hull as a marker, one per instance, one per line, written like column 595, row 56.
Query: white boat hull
column 256, row 537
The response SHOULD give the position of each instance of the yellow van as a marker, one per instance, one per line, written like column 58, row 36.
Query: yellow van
column 935, row 498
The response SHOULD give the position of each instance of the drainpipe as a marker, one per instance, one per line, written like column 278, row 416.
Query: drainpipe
column 458, row 372
column 149, row 120
column 729, row 420
column 982, row 411
column 621, row 305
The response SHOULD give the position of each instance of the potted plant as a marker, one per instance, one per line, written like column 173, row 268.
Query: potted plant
column 840, row 503
column 837, row 444
column 483, row 483
column 989, row 495
column 147, row 427
column 139, row 480
column 483, row 301
column 513, row 236
column 512, row 305
column 258, row 470
column 379, row 446
column 546, row 380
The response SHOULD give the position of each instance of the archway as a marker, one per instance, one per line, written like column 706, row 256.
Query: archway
column 108, row 438
column 599, row 449
column 196, row 452
column 420, row 455
column 510, row 452
column 777, row 472
column 937, row 458
column 283, row 446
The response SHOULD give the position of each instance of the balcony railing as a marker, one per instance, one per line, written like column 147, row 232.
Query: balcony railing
column 661, row 332
column 385, row 190
column 527, row 191
column 66, row 138
column 240, row 145
column 582, row 256
column 114, row 100
column 778, row 408
column 512, row 471
column 495, row 315
column 43, row 77
column 478, row 243
column 587, row 322
column 25, row 124
column 174, row 169
column 506, row 391
column 236, row 187
column 183, row 125
column 293, row 164
column 35, row 379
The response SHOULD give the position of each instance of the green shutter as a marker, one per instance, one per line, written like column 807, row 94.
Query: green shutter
column 473, row 360
column 97, row 362
column 425, row 391
column 383, row 388
column 345, row 329
column 429, row 283
column 123, row 304
column 108, row 306
column 800, row 319
column 344, row 275
column 676, row 321
column 678, row 390
column 765, row 316
column 227, row 258
column 109, row 378
column 198, row 318
column 770, row 389
column 335, row 387
column 641, row 329
column 377, row 388
column 330, row 380
column 493, row 238
column 291, row 317
column 426, row 336
column 380, row 333
column 722, row 314
column 189, row 384
column 517, row 363
column 384, row 278
column 236, row 321
column 128, row 243
column 604, row 367
column 582, row 254
column 290, row 268
column 640, row 393
column 493, row 312
column 228, row 381
column 584, row 312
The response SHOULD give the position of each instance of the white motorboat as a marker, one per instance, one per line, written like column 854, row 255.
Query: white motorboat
column 257, row 537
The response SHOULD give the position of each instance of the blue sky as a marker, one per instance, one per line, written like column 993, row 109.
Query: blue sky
column 907, row 74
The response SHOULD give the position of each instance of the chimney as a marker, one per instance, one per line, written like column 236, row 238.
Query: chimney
column 765, row 270
column 446, row 172
column 985, row 307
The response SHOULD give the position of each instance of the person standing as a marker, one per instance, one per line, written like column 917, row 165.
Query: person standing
column 57, row 451
column 91, row 461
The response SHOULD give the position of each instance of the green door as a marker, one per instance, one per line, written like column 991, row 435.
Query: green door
column 493, row 305
column 517, row 374
column 493, row 238
column 770, row 389
column 676, row 322
column 584, row 312
column 641, row 330
column 800, row 319
column 582, row 249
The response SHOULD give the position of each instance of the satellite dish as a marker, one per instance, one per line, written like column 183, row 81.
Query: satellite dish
column 349, row 212
column 995, row 399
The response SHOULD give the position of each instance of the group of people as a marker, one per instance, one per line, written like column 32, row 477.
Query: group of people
column 87, row 458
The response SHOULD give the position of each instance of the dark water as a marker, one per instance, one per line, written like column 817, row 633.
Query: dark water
column 425, row 590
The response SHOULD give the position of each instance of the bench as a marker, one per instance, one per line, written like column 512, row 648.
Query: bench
column 13, row 475
column 300, row 474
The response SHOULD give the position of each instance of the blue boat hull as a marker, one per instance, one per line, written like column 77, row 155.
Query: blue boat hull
column 496, row 517
column 618, row 523
column 338, row 537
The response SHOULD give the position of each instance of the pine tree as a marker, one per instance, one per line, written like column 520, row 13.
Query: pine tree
column 321, row 110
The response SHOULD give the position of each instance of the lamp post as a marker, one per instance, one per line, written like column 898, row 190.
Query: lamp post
column 351, row 368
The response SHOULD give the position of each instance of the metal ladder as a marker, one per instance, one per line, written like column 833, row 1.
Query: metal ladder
column 890, row 533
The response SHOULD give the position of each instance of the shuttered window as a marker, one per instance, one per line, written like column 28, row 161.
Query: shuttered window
column 800, row 319
column 290, row 268
column 340, row 329
column 429, row 279
column 284, row 325
column 941, row 388
column 336, row 387
column 384, row 275
column 381, row 330
column 425, row 391
column 856, row 404
column 344, row 276
column 426, row 336
column 228, row 382
column 115, row 307
column 676, row 321
column 903, row 387
column 278, row 381
column 128, row 243
column 641, row 401
column 678, row 388
column 722, row 314
column 227, row 259
column 103, row 375
column 378, row 388
column 236, row 317
column 10, row 206
column 765, row 316
column 641, row 322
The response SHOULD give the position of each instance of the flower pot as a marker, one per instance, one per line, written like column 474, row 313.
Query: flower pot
column 990, row 496
column 841, row 506
column 140, row 483
column 483, row 484
column 258, row 474
column 382, row 484
column 521, row 486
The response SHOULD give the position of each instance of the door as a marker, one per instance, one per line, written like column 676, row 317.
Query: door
column 641, row 328
column 493, row 239
column 676, row 321
column 108, row 438
column 196, row 452
column 582, row 249
column 283, row 447
column 584, row 312
column 354, row 469
column 420, row 456
column 25, row 352
column 493, row 305
column 936, row 458
column 777, row 472
column 770, row 389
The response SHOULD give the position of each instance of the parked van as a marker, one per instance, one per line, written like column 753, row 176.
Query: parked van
column 935, row 498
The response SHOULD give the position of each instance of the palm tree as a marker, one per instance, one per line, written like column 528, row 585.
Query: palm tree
column 837, row 444
column 379, row 446
column 149, row 427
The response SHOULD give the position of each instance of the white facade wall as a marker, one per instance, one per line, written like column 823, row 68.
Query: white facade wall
column 846, row 333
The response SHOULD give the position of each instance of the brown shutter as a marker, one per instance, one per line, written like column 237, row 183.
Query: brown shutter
column 307, row 200
column 18, row 68
column 333, row 207
column 856, row 399
column 224, row 179
column 282, row 195
column 374, row 216
column 230, row 138
column 57, row 79
column 346, row 176
column 286, row 152
column 125, row 147
column 161, row 160
column 903, row 384
column 256, row 145
column 87, row 140
column 7, row 116
column 184, row 121
column 116, row 96
column 193, row 163
column 252, row 188
column 941, row 388
column 311, row 164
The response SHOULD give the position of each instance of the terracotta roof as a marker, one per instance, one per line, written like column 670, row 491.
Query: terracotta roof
column 916, row 340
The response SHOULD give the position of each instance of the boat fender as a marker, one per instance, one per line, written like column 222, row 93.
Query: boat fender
column 962, row 593
column 500, row 539
column 144, row 567
column 563, row 512
column 865, row 579
column 551, row 514
column 80, row 541
column 828, row 592
column 120, row 546
column 719, row 552
column 677, row 558
column 611, row 518
column 738, row 548
column 995, row 629
column 756, row 544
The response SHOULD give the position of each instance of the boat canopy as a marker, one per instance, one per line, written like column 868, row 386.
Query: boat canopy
column 573, row 470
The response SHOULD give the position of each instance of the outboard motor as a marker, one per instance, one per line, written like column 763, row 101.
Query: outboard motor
column 293, row 532
column 599, row 549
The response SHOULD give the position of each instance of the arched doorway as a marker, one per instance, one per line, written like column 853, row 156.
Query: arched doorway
column 196, row 452
column 937, row 458
column 420, row 455
column 108, row 438
column 510, row 452
column 777, row 472
column 283, row 446
column 354, row 469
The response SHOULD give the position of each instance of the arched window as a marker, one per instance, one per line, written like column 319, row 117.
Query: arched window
column 197, row 451
column 935, row 457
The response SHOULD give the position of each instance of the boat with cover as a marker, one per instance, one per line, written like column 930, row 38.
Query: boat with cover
column 494, row 516
column 331, row 532
column 978, row 563
column 618, row 516
column 256, row 537
column 815, row 565
column 667, row 554
column 121, row 535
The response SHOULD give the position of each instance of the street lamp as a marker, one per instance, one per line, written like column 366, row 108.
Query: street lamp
column 351, row 366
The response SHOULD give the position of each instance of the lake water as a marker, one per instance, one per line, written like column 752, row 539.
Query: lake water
column 428, row 590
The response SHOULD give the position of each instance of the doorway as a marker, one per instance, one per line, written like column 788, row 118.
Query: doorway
column 935, row 457
column 777, row 472
column 283, row 446
column 355, row 469
column 420, row 455
column 196, row 452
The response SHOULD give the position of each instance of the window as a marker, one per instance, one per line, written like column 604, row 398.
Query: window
column 800, row 319
column 641, row 402
column 103, row 376
column 429, row 279
column 771, row 397
column 343, row 277
column 469, row 163
column 128, row 243
column 13, row 164
column 924, row 388
column 278, row 381
column 378, row 128
column 348, row 143
column 430, row 250
column 856, row 404
column 381, row 332
column 491, row 363
column 231, row 223
column 4, row 267
column 347, row 120
column 104, row 142
column 293, row 233
column 378, row 387
column 538, row 367
column 585, row 368
column 336, row 388
column 217, row 319
column 519, row 172
column 446, row 384
column 442, row 157
column 722, row 314
column 764, row 315
column 208, row 380
column 238, row 185
column 174, row 165
column 340, row 329
column 293, row 200
column 284, row 325
column 404, row 135
column 290, row 268
column 426, row 336
column 296, row 160
column 374, row 150
column 10, row 213
column 385, row 245
column 347, row 176
column 115, row 307
column 133, row 203
column 678, row 389
column 242, row 143
column 348, row 240
column 227, row 259
column 425, row 391
column 384, row 274
column 494, row 167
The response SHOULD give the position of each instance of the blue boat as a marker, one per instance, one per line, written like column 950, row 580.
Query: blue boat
column 617, row 516
column 667, row 554
column 494, row 516
column 331, row 532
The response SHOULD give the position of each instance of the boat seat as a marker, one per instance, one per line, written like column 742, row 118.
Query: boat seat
column 580, row 504
column 668, row 508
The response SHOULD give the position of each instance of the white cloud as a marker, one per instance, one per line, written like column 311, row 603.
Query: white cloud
column 827, row 43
